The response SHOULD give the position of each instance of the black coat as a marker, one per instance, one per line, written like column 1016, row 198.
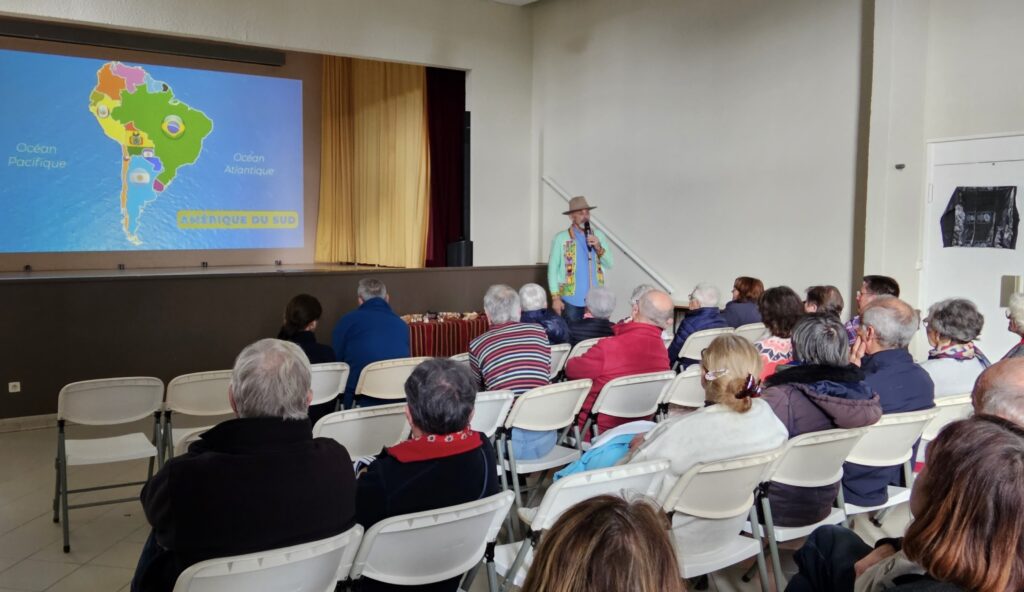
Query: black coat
column 318, row 353
column 247, row 485
column 589, row 329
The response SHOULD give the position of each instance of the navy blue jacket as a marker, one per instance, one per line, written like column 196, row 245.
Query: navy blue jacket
column 703, row 318
column 370, row 333
column 901, row 386
column 589, row 329
column 554, row 325
column 737, row 314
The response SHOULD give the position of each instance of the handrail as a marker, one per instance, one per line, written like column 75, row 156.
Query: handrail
column 615, row 239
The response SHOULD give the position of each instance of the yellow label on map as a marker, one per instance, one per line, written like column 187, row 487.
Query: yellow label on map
column 221, row 219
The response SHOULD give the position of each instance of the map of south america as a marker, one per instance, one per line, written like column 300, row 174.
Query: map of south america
column 158, row 135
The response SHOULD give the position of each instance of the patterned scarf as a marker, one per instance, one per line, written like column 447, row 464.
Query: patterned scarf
column 433, row 446
column 959, row 351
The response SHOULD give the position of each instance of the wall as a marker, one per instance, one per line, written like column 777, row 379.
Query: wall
column 490, row 40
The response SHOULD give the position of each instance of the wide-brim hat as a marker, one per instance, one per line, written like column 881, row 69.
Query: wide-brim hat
column 579, row 203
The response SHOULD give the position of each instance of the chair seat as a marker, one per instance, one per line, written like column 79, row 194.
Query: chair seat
column 692, row 565
column 104, row 450
column 791, row 533
column 527, row 515
column 558, row 457
column 897, row 496
column 504, row 555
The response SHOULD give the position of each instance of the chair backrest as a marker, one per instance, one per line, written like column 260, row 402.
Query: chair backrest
column 490, row 411
column 549, row 407
column 752, row 331
column 328, row 380
column 722, row 489
column 950, row 409
column 667, row 341
column 462, row 359
column 583, row 347
column 110, row 401
column 699, row 340
column 685, row 389
column 365, row 431
column 199, row 393
column 633, row 396
column 634, row 478
column 890, row 442
column 815, row 459
column 188, row 438
column 432, row 546
column 309, row 567
column 386, row 379
column 559, row 355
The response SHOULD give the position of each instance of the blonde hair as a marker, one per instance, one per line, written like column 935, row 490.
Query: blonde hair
column 740, row 361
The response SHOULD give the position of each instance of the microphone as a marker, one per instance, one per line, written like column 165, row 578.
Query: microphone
column 587, row 232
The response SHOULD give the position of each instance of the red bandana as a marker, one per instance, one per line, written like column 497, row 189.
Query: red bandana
column 436, row 446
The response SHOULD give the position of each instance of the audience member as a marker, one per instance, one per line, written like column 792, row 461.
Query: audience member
column 825, row 299
column 742, row 309
column 513, row 356
column 966, row 533
column 872, row 286
column 300, row 321
column 595, row 322
column 444, row 463
column 703, row 314
column 954, row 362
column 1000, row 391
column 823, row 391
column 371, row 333
column 886, row 328
column 254, row 483
column 1015, row 313
column 534, row 301
column 636, row 349
column 634, row 301
column 606, row 544
column 780, row 309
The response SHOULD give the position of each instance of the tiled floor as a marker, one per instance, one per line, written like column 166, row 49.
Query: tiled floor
column 106, row 540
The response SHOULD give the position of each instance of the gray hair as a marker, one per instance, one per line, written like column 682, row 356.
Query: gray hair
column 893, row 320
column 819, row 338
column 271, row 378
column 1015, row 307
column 639, row 291
column 601, row 302
column 441, row 395
column 371, row 288
column 533, row 297
column 501, row 303
column 706, row 294
column 649, row 309
column 955, row 318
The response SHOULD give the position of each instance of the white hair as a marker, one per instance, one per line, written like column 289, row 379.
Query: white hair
column 271, row 378
column 533, row 297
column 638, row 293
column 893, row 320
column 706, row 294
column 648, row 309
column 501, row 303
column 371, row 288
column 600, row 302
column 1015, row 307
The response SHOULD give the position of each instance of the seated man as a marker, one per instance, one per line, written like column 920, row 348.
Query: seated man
column 535, row 310
column 703, row 314
column 445, row 463
column 872, row 286
column 636, row 348
column 254, row 483
column 886, row 328
column 371, row 333
column 513, row 356
column 600, row 305
column 999, row 391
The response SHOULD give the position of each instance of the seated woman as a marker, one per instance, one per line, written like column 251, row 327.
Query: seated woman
column 606, row 543
column 780, row 309
column 742, row 309
column 966, row 534
column 703, row 314
column 534, row 301
column 824, row 299
column 300, row 320
column 822, row 391
column 1015, row 314
column 954, row 362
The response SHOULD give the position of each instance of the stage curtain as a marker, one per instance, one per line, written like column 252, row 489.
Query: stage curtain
column 374, row 180
column 446, row 107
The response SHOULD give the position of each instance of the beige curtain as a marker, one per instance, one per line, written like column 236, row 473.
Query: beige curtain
column 374, row 169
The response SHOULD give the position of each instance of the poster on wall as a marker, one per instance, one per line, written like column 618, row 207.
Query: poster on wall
column 981, row 217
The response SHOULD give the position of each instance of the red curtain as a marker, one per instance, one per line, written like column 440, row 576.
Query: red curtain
column 446, row 107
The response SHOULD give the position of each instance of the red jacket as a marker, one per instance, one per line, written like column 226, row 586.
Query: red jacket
column 636, row 348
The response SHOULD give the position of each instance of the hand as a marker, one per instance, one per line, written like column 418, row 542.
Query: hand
column 592, row 241
column 557, row 305
column 857, row 351
column 872, row 558
column 636, row 441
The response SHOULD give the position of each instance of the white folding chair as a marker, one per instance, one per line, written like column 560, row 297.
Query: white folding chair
column 752, row 331
column 462, row 358
column 308, row 567
column 949, row 409
column 888, row 443
column 187, row 437
column 328, row 382
column 583, row 347
column 631, row 397
column 685, row 390
column 490, row 411
column 559, row 355
column 546, row 408
column 433, row 546
column 697, row 341
column 386, row 379
column 108, row 401
column 513, row 560
column 201, row 394
column 366, row 430
column 716, row 491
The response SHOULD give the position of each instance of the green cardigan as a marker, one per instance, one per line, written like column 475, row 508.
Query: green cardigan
column 562, row 263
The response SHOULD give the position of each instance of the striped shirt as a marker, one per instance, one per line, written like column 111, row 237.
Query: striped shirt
column 512, row 356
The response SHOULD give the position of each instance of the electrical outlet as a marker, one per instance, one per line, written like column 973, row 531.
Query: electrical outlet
column 14, row 387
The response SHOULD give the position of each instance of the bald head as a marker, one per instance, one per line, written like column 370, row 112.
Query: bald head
column 999, row 390
column 655, row 308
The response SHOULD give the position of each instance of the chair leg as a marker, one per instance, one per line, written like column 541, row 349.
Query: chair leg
column 517, row 564
column 168, row 439
column 503, row 474
column 579, row 438
column 56, row 489
column 773, row 546
column 63, row 477
column 158, row 437
column 492, row 578
column 762, row 568
column 517, row 502
column 467, row 580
